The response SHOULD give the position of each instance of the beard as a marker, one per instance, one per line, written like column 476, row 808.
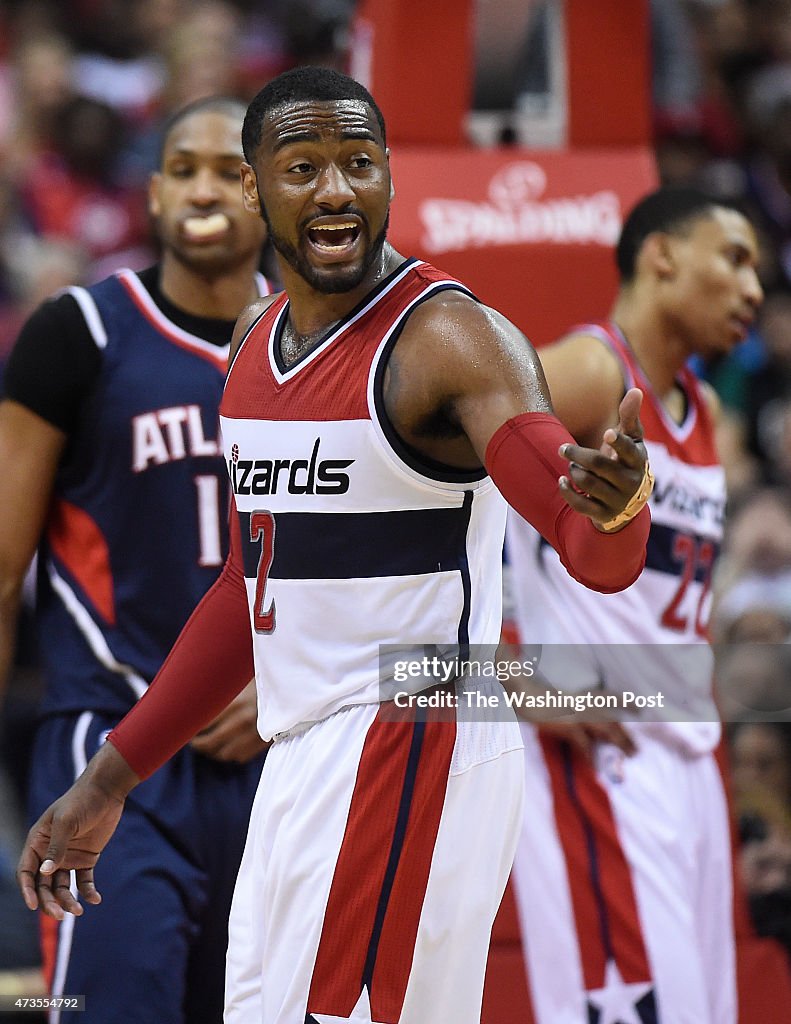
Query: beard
column 330, row 280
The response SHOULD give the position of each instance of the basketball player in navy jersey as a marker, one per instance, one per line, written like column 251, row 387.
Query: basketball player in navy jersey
column 109, row 458
column 623, row 872
column 372, row 413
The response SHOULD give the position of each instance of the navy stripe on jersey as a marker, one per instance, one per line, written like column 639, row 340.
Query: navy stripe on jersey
column 338, row 545
column 660, row 553
column 662, row 556
column 396, row 849
column 464, row 622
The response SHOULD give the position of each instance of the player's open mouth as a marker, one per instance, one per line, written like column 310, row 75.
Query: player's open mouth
column 334, row 239
column 203, row 229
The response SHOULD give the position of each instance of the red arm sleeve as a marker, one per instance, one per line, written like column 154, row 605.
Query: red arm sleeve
column 522, row 460
column 210, row 663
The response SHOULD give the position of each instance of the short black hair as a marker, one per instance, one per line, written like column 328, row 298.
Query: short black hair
column 302, row 84
column 227, row 104
column 672, row 208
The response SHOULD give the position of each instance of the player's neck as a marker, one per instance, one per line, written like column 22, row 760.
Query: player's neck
column 659, row 352
column 311, row 311
column 214, row 296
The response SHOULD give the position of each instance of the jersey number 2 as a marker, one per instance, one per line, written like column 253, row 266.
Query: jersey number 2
column 262, row 527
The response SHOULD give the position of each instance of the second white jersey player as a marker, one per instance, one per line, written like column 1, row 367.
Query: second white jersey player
column 587, row 637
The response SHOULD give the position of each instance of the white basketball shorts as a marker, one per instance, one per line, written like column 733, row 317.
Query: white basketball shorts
column 624, row 887
column 376, row 858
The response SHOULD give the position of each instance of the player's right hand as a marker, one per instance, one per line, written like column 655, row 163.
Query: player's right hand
column 602, row 483
column 68, row 836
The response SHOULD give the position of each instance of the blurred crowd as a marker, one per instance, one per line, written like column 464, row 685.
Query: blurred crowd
column 85, row 87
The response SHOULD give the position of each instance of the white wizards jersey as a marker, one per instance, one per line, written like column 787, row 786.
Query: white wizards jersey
column 349, row 541
column 666, row 611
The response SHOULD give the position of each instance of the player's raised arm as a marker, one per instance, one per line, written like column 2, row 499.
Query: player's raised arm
column 484, row 400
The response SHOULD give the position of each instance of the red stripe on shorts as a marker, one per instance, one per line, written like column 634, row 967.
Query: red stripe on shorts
column 397, row 941
column 507, row 988
column 602, row 893
column 48, row 942
column 360, row 870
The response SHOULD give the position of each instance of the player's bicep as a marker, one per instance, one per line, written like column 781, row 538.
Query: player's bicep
column 55, row 363
column 30, row 449
column 501, row 378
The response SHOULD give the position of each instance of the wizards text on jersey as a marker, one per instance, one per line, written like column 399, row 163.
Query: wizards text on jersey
column 296, row 476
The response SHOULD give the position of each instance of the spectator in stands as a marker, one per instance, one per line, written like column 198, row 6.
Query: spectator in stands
column 757, row 538
column 202, row 57
column 761, row 759
column 73, row 191
column 33, row 87
column 765, row 863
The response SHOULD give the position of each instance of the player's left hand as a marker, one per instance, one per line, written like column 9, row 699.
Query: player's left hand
column 584, row 737
column 601, row 483
column 233, row 735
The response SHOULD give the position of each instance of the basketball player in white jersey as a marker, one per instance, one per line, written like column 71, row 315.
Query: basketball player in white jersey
column 623, row 869
column 371, row 414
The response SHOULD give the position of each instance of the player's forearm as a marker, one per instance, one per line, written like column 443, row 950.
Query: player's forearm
column 607, row 562
column 9, row 614
column 523, row 462
column 210, row 663
column 110, row 772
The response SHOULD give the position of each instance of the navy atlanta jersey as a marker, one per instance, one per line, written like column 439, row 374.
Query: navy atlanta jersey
column 349, row 543
column 137, row 531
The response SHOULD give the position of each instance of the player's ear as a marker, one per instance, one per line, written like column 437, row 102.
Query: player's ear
column 657, row 253
column 252, row 203
column 154, row 186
